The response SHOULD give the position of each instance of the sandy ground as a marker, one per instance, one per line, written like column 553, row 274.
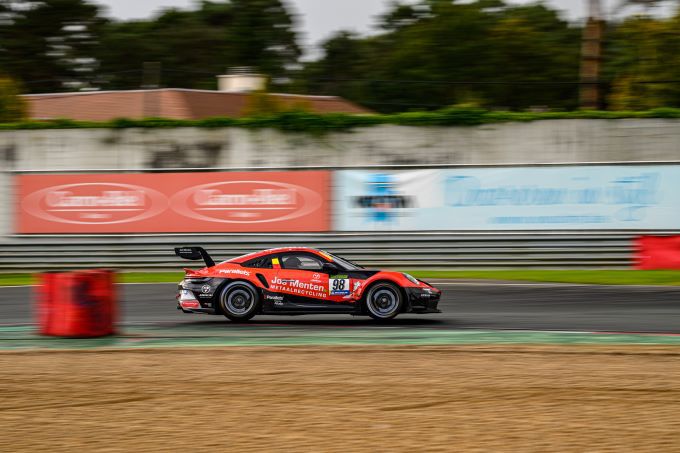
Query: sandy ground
column 552, row 398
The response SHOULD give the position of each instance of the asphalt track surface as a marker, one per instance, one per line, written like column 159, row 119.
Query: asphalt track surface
column 471, row 305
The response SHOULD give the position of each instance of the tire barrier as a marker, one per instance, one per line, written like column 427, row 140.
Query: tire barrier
column 657, row 253
column 77, row 304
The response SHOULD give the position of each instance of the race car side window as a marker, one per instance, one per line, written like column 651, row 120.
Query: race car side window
column 301, row 261
column 264, row 262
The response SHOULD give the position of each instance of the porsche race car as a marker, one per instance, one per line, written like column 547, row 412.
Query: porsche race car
column 298, row 281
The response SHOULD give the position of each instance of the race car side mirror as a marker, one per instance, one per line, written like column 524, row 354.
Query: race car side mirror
column 330, row 268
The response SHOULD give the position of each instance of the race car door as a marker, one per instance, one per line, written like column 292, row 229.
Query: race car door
column 305, row 287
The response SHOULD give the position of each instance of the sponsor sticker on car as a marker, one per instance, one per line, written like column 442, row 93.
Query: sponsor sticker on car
column 298, row 287
column 338, row 285
column 234, row 271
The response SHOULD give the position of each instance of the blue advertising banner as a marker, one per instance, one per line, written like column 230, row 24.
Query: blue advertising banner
column 608, row 197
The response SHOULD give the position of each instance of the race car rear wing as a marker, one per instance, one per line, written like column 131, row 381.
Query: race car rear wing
column 194, row 254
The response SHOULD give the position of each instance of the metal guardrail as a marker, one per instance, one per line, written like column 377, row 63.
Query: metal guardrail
column 472, row 250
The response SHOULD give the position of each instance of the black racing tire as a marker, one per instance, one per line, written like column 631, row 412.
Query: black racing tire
column 239, row 301
column 384, row 301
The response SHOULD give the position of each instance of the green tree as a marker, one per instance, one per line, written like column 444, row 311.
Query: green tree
column 49, row 44
column 12, row 106
column 193, row 46
column 190, row 51
column 532, row 57
column 641, row 52
column 263, row 35
column 340, row 72
column 436, row 53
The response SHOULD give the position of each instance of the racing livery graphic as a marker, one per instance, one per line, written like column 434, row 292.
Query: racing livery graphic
column 298, row 281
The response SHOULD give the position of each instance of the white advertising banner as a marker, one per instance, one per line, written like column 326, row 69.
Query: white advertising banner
column 607, row 197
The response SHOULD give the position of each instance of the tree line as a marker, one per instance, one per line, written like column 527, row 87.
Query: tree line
column 425, row 56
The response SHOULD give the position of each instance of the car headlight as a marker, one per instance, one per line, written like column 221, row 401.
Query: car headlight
column 411, row 279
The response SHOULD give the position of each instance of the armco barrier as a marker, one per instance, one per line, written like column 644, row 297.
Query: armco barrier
column 397, row 250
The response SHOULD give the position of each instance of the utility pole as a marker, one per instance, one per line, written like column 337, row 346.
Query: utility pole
column 591, row 57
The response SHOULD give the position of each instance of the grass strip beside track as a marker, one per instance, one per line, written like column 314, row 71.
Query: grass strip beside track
column 596, row 277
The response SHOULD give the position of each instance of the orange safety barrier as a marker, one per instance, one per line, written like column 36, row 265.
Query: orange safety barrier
column 657, row 252
column 77, row 304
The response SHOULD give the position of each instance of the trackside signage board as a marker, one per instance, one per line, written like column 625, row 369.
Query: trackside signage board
column 174, row 202
column 517, row 198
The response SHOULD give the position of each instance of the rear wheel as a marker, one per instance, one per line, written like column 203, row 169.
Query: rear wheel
column 239, row 301
column 384, row 301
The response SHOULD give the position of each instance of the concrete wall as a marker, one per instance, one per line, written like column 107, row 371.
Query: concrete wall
column 556, row 141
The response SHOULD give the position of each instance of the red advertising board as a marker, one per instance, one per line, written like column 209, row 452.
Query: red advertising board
column 174, row 202
column 657, row 252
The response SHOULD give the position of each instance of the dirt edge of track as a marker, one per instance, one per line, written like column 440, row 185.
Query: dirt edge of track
column 338, row 398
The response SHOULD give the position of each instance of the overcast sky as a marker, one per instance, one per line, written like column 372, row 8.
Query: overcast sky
column 319, row 18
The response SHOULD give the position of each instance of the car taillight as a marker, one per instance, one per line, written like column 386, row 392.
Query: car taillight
column 189, row 304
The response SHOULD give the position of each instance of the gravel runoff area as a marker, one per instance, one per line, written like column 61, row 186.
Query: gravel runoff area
column 373, row 398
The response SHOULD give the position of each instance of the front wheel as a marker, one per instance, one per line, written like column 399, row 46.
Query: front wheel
column 239, row 301
column 384, row 301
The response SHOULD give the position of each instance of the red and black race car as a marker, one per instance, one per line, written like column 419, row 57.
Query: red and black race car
column 298, row 281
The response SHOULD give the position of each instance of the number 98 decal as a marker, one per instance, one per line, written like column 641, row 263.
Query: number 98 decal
column 338, row 285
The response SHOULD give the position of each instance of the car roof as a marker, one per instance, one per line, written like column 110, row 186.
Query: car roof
column 250, row 256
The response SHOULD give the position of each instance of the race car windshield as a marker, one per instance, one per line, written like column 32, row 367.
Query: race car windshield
column 348, row 265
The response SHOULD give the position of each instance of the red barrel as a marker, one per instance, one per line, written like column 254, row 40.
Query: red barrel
column 77, row 304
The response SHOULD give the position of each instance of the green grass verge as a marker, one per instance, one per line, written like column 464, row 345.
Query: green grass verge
column 16, row 279
column 598, row 277
column 150, row 277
